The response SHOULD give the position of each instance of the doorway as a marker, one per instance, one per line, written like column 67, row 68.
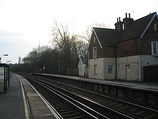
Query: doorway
column 128, row 72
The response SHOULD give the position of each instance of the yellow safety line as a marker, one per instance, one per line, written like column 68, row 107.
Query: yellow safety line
column 50, row 107
column 24, row 99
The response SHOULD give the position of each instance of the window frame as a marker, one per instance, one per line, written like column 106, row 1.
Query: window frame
column 94, row 39
column 95, row 70
column 94, row 52
column 110, row 70
column 154, row 48
column 155, row 27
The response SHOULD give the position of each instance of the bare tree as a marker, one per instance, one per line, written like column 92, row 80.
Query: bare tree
column 88, row 31
column 81, row 48
column 67, row 45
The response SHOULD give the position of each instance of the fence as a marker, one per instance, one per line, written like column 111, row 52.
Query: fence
column 150, row 73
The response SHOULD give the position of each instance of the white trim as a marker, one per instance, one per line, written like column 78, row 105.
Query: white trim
column 152, row 50
column 155, row 15
column 90, row 37
column 98, row 39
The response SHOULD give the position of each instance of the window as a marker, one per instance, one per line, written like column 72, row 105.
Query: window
column 154, row 47
column 94, row 39
column 155, row 26
column 95, row 69
column 110, row 69
column 94, row 52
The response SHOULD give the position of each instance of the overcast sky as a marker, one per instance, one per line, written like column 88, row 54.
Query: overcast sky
column 24, row 24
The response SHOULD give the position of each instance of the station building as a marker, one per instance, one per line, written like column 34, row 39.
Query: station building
column 122, row 53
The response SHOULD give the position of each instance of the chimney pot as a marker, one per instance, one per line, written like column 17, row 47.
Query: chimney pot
column 119, row 18
column 126, row 15
column 129, row 15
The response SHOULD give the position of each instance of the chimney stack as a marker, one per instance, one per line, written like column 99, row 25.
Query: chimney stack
column 127, row 21
column 119, row 25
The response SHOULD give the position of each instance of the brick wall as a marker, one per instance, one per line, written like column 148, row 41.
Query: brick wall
column 150, row 35
column 128, row 48
column 106, row 52
column 95, row 44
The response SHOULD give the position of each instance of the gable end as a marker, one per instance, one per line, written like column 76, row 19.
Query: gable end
column 154, row 16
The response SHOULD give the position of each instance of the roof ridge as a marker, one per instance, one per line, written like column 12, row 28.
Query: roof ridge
column 103, row 28
column 145, row 16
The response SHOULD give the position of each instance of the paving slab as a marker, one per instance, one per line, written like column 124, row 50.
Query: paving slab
column 36, row 106
column 23, row 101
column 11, row 102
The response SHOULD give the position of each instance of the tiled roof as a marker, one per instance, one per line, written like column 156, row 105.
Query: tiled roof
column 106, row 37
column 137, row 28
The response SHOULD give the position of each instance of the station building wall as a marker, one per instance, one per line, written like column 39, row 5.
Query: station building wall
column 98, row 68
column 128, row 68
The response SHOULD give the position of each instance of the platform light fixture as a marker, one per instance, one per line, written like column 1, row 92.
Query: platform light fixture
column 2, row 56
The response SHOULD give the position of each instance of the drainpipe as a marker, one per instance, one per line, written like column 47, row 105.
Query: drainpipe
column 115, row 46
column 140, row 61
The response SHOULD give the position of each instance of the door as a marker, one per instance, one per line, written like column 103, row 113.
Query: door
column 128, row 72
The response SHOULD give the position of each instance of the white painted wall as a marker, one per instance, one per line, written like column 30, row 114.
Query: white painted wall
column 81, row 68
column 102, row 68
column 133, row 73
column 149, row 60
column 134, row 63
column 109, row 62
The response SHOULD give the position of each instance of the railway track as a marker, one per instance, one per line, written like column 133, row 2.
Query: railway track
column 88, row 104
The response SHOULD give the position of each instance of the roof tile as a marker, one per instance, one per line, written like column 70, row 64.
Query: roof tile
column 136, row 28
column 107, row 37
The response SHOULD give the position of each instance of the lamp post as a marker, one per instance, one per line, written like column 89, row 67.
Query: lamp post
column 44, row 68
column 59, row 65
column 2, row 56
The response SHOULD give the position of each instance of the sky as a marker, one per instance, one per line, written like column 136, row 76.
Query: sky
column 26, row 24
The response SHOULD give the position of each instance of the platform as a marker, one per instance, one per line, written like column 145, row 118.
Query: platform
column 11, row 102
column 23, row 101
column 141, row 85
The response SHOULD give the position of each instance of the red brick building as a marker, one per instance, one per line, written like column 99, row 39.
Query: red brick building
column 122, row 52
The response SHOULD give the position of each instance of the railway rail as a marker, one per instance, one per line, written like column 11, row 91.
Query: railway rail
column 88, row 104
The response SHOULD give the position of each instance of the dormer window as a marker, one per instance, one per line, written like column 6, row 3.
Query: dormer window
column 154, row 48
column 155, row 27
